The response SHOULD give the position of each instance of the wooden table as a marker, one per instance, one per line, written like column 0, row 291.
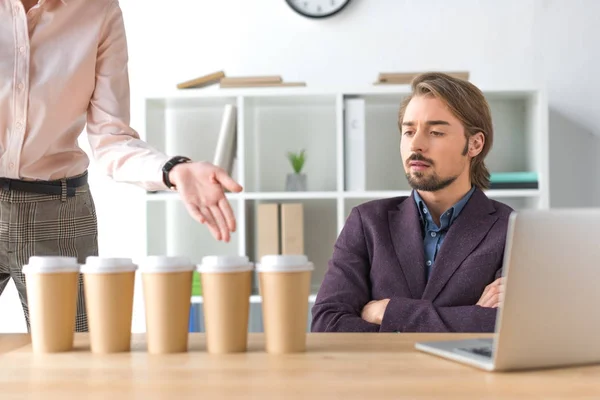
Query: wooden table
column 348, row 366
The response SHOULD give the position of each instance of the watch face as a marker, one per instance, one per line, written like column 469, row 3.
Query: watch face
column 317, row 8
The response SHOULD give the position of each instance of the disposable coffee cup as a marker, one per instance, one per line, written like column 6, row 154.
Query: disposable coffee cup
column 51, row 284
column 167, row 290
column 227, row 286
column 109, row 285
column 285, row 287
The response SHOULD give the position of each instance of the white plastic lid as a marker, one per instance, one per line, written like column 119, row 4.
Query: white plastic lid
column 219, row 264
column 165, row 264
column 284, row 263
column 51, row 264
column 106, row 265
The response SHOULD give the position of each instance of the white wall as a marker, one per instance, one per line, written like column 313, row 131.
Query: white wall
column 567, row 43
column 575, row 165
column 568, row 39
column 265, row 36
column 506, row 43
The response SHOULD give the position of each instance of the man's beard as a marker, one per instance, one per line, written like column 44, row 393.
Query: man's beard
column 418, row 181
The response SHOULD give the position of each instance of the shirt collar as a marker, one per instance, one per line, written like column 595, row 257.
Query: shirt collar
column 448, row 216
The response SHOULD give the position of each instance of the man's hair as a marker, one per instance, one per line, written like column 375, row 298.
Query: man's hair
column 468, row 104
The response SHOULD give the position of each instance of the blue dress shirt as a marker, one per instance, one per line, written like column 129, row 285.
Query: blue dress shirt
column 433, row 235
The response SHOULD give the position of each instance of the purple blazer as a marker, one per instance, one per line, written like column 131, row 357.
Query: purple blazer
column 379, row 255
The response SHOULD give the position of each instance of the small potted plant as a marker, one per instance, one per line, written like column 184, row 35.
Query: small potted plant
column 296, row 182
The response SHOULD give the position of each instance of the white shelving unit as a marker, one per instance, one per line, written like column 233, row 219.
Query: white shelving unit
column 274, row 121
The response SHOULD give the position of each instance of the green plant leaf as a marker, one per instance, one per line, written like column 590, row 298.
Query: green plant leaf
column 297, row 160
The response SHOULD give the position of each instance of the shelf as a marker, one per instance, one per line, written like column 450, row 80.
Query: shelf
column 273, row 121
column 168, row 196
column 364, row 90
column 368, row 194
column 374, row 194
column 498, row 193
column 255, row 299
column 290, row 195
column 273, row 126
column 170, row 230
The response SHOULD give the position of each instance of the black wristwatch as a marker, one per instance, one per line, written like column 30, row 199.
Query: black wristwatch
column 169, row 166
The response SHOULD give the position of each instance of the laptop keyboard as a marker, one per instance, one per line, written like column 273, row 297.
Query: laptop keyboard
column 480, row 351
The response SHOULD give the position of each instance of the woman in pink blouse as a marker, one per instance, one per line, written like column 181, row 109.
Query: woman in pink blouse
column 63, row 64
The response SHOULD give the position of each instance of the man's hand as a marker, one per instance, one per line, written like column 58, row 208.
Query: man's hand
column 373, row 311
column 493, row 294
column 201, row 185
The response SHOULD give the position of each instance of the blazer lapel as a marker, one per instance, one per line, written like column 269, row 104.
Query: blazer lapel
column 464, row 235
column 407, row 239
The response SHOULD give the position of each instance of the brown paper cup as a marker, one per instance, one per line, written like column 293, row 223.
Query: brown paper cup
column 226, row 287
column 167, row 286
column 285, row 287
column 109, row 286
column 51, row 284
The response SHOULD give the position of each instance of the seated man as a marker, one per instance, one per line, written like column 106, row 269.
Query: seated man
column 430, row 262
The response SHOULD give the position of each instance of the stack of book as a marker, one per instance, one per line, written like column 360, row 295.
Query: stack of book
column 237, row 81
column 202, row 81
column 256, row 81
column 279, row 229
column 405, row 78
column 513, row 180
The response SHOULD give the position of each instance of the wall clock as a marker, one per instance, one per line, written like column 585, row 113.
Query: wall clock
column 317, row 8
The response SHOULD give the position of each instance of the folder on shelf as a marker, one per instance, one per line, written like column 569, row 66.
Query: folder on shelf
column 251, row 79
column 405, row 78
column 292, row 228
column 196, row 284
column 513, row 180
column 513, row 185
column 259, row 84
column 354, row 144
column 202, row 81
column 503, row 177
column 227, row 141
column 267, row 230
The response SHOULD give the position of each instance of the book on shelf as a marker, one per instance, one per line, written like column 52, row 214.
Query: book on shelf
column 231, row 80
column 202, row 81
column 514, row 180
column 237, row 81
column 260, row 84
column 513, row 185
column 354, row 144
column 405, row 78
column 279, row 229
column 196, row 284
column 227, row 140
column 292, row 228
column 267, row 230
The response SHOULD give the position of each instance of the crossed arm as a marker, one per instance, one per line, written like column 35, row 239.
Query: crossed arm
column 491, row 297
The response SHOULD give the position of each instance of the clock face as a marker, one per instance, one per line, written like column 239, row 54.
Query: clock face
column 317, row 8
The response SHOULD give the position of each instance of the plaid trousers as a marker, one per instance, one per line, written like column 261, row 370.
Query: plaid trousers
column 34, row 224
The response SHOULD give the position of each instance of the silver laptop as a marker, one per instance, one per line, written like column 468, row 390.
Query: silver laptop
column 550, row 316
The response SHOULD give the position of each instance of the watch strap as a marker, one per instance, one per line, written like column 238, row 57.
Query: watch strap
column 169, row 166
